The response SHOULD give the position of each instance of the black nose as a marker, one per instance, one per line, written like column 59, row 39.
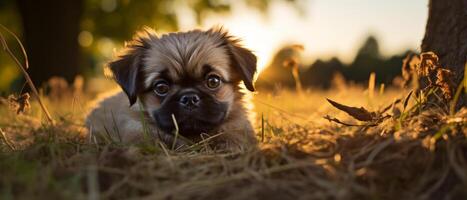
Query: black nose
column 189, row 100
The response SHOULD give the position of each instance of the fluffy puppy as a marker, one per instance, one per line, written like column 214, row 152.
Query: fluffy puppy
column 185, row 83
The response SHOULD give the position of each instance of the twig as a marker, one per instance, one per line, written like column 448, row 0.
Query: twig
column 373, row 123
column 26, row 60
column 167, row 154
column 176, row 131
column 344, row 123
column 205, row 141
column 23, row 69
column 6, row 140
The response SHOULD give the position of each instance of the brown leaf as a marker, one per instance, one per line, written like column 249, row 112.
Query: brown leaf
column 445, row 82
column 406, row 100
column 408, row 68
column 428, row 63
column 20, row 104
column 358, row 113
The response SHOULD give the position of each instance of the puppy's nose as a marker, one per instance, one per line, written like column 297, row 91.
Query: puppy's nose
column 189, row 100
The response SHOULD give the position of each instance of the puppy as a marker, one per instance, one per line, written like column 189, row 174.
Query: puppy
column 185, row 83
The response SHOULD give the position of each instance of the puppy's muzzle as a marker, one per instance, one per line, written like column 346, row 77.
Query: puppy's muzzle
column 189, row 100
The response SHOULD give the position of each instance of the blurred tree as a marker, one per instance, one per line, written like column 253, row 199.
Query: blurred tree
column 367, row 60
column 8, row 70
column 370, row 48
column 50, row 30
column 320, row 73
column 53, row 28
column 119, row 19
column 390, row 68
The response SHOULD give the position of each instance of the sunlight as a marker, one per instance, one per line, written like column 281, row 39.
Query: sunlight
column 251, row 26
column 320, row 30
column 257, row 39
column 257, row 32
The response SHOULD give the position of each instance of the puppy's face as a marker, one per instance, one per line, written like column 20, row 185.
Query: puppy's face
column 188, row 78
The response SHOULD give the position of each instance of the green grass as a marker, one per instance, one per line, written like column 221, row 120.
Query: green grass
column 301, row 155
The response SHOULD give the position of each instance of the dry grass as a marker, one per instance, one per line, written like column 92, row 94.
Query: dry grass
column 419, row 150
column 413, row 155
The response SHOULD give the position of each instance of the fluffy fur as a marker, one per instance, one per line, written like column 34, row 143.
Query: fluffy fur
column 183, row 59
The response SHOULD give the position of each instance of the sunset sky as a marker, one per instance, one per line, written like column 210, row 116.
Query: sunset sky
column 327, row 28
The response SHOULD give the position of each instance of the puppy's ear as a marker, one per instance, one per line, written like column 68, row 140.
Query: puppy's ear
column 127, row 67
column 244, row 62
column 242, row 59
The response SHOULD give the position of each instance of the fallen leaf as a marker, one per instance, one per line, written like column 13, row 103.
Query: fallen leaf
column 445, row 82
column 20, row 104
column 358, row 113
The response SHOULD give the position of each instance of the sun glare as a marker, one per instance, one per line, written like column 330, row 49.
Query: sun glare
column 256, row 39
column 254, row 35
column 251, row 27
column 321, row 30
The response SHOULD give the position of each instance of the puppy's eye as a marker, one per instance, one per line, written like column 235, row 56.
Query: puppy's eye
column 161, row 88
column 213, row 81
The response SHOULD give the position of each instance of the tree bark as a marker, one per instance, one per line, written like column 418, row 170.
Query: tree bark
column 50, row 30
column 446, row 34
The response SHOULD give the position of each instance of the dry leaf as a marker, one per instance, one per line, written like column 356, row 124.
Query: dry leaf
column 408, row 68
column 19, row 104
column 358, row 113
column 428, row 63
column 427, row 67
column 444, row 81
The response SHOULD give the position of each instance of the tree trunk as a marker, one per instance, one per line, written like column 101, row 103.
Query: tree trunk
column 50, row 29
column 446, row 34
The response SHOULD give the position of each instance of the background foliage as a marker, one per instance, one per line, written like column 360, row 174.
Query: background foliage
column 105, row 24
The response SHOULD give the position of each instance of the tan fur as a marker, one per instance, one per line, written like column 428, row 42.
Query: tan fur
column 186, row 52
column 113, row 116
column 178, row 54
